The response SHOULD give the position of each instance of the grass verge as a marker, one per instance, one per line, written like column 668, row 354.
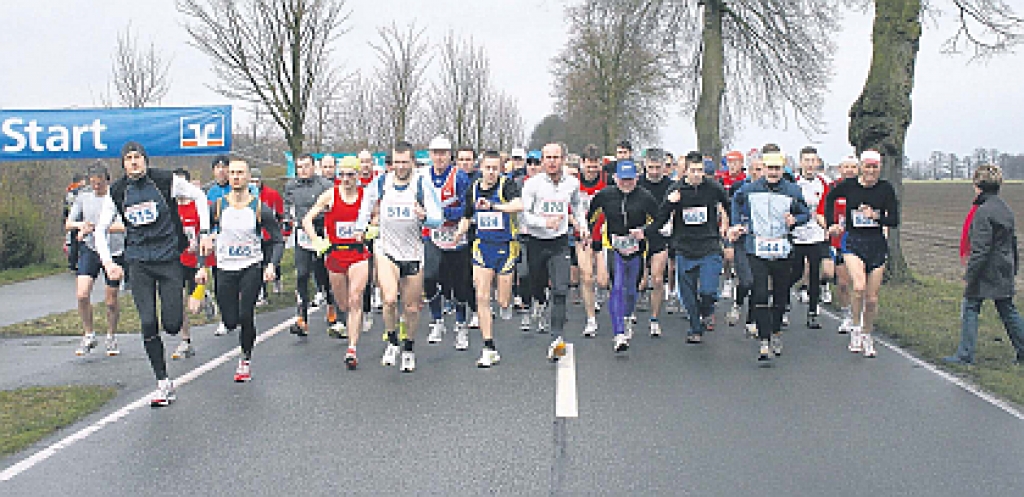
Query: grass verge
column 27, row 415
column 69, row 324
column 924, row 317
column 31, row 272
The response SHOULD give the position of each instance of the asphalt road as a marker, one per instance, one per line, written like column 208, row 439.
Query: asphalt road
column 43, row 296
column 664, row 418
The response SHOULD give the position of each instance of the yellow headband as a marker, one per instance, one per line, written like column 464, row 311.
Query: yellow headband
column 349, row 162
column 774, row 159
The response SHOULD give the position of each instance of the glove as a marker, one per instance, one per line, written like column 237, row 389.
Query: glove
column 371, row 232
column 321, row 245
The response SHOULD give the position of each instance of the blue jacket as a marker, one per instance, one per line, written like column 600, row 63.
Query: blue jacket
column 762, row 208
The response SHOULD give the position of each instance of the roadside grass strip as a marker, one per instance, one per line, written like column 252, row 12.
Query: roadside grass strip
column 28, row 415
column 31, row 272
column 68, row 323
column 924, row 317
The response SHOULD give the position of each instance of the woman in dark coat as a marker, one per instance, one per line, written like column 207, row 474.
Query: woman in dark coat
column 990, row 251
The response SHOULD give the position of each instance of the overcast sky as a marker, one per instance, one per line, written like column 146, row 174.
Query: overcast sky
column 57, row 53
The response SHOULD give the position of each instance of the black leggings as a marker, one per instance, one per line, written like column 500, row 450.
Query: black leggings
column 147, row 279
column 306, row 263
column 237, row 292
column 769, row 316
column 813, row 253
column 549, row 261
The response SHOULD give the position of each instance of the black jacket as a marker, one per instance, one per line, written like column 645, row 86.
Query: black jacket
column 993, row 261
column 163, row 180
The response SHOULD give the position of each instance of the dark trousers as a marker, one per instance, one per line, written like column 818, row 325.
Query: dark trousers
column 236, row 296
column 768, row 316
column 147, row 279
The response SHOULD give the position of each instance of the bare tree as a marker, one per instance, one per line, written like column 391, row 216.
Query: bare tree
column 403, row 57
column 323, row 105
column 506, row 126
column 762, row 61
column 880, row 117
column 272, row 52
column 450, row 103
column 139, row 74
column 611, row 74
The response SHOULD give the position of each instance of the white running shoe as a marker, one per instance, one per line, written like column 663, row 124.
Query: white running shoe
column 540, row 317
column 621, row 343
column 474, row 322
column 628, row 321
column 826, row 294
column 437, row 331
column 340, row 329
column 390, row 355
column 111, row 347
column 461, row 336
column 164, row 394
column 776, row 343
column 505, row 313
column 408, row 361
column 319, row 299
column 488, row 358
column 785, row 319
column 221, row 330
column 243, row 372
column 184, row 350
column 728, row 287
column 655, row 329
column 733, row 316
column 556, row 350
column 765, row 353
column 856, row 344
column 847, row 325
column 868, row 344
column 590, row 330
column 802, row 296
column 751, row 330
column 367, row 322
column 526, row 323
column 88, row 343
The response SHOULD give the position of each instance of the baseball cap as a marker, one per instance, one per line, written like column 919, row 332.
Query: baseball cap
column 440, row 143
column 625, row 169
column 849, row 159
column 734, row 155
column 871, row 157
column 533, row 156
column 518, row 153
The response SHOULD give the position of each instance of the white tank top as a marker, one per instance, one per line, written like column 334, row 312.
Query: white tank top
column 238, row 244
column 401, row 235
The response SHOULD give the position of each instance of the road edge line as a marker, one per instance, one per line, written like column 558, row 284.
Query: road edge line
column 44, row 454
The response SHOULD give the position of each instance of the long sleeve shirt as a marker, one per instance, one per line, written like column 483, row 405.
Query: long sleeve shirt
column 543, row 198
column 180, row 187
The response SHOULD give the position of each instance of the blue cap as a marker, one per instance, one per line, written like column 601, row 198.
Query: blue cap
column 533, row 154
column 625, row 169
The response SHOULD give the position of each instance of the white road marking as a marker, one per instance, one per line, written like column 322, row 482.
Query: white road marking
column 972, row 389
column 566, row 402
column 67, row 441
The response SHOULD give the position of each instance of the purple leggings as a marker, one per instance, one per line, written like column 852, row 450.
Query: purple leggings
column 624, row 273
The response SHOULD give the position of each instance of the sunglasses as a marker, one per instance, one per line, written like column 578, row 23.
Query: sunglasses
column 347, row 174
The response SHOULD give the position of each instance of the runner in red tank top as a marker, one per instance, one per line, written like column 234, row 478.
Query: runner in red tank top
column 591, row 255
column 347, row 257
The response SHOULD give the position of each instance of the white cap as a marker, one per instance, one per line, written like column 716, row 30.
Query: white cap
column 440, row 143
column 871, row 157
column 849, row 159
column 518, row 152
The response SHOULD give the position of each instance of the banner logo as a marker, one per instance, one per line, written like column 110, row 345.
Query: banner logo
column 202, row 131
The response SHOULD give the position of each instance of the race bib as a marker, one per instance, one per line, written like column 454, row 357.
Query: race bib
column 553, row 207
column 234, row 251
column 771, row 248
column 142, row 213
column 625, row 244
column 444, row 236
column 491, row 221
column 862, row 221
column 399, row 212
column 345, row 231
column 303, row 239
column 695, row 215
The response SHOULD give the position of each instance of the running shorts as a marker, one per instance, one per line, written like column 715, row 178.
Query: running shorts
column 499, row 257
column 338, row 261
column 872, row 250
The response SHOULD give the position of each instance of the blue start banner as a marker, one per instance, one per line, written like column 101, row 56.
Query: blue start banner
column 100, row 133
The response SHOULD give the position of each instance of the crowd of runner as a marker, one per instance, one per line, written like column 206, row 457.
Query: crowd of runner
column 486, row 237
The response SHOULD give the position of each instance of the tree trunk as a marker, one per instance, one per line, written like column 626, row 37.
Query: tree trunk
column 880, row 117
column 708, row 118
